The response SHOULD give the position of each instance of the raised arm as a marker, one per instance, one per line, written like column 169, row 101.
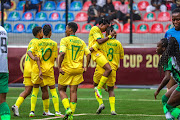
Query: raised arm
column 102, row 40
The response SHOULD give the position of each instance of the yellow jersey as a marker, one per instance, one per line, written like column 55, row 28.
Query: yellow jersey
column 94, row 34
column 74, row 49
column 46, row 49
column 113, row 51
column 28, row 61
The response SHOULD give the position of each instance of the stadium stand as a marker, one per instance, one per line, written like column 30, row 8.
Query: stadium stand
column 70, row 17
column 60, row 28
column 49, row 6
column 149, row 17
column 86, row 5
column 13, row 16
column 163, row 17
column 116, row 4
column 142, row 28
column 5, row 16
column 27, row 16
column 61, row 6
column 41, row 16
column 126, row 28
column 157, row 28
column 81, row 17
column 79, row 29
column 86, row 28
column 13, row 6
column 30, row 27
column 168, row 26
column 142, row 5
column 54, row 16
column 75, row 6
column 20, row 5
column 8, row 27
column 19, row 28
column 117, row 28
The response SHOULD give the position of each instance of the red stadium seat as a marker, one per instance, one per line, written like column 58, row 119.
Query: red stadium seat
column 116, row 4
column 86, row 27
column 86, row 5
column 126, row 28
column 79, row 28
column 142, row 5
column 157, row 28
column 142, row 28
column 149, row 17
column 164, row 16
column 117, row 28
column 81, row 17
column 168, row 26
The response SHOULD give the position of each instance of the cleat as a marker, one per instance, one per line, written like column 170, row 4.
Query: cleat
column 113, row 113
column 48, row 113
column 98, row 91
column 67, row 113
column 59, row 114
column 15, row 109
column 101, row 107
column 70, row 117
column 31, row 114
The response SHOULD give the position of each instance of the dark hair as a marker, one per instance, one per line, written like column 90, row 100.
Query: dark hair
column 104, row 21
column 172, row 50
column 93, row 1
column 46, row 29
column 36, row 30
column 109, row 29
column 177, row 10
column 73, row 26
column 107, row 2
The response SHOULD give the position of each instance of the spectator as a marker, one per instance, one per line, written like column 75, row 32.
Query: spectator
column 33, row 4
column 156, row 5
column 83, row 1
column 7, row 4
column 94, row 12
column 122, row 10
column 101, row 3
column 136, row 15
column 108, row 11
column 175, row 4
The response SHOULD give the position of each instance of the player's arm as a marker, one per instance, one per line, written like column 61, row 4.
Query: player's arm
column 163, row 82
column 39, row 67
column 62, row 52
column 102, row 40
column 88, row 55
column 32, row 56
column 94, row 47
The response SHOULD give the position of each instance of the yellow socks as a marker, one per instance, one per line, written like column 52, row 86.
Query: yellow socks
column 55, row 99
column 112, row 103
column 102, row 82
column 65, row 103
column 46, row 105
column 19, row 101
column 34, row 98
column 73, row 107
column 100, row 101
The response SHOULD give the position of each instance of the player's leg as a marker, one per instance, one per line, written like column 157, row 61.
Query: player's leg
column 20, row 100
column 102, row 62
column 171, row 83
column 34, row 99
column 174, row 101
column 112, row 99
column 164, row 102
column 4, row 108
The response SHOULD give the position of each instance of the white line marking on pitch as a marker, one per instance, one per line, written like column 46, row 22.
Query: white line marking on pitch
column 145, row 100
column 144, row 115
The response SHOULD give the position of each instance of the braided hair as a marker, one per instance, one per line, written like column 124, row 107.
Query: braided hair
column 36, row 30
column 172, row 50
column 110, row 28
column 104, row 21
column 46, row 29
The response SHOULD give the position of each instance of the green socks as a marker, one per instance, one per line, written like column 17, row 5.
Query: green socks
column 4, row 111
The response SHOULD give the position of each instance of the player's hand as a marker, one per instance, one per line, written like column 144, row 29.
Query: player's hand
column 85, row 69
column 40, row 75
column 112, row 33
column 155, row 94
column 61, row 71
column 36, row 58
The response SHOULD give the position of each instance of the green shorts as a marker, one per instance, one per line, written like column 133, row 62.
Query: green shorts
column 4, row 77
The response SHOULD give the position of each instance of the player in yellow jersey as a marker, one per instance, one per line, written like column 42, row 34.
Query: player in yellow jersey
column 96, row 37
column 47, row 51
column 71, row 68
column 113, row 51
column 38, row 34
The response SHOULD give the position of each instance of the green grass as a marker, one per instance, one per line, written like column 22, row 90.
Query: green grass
column 130, row 105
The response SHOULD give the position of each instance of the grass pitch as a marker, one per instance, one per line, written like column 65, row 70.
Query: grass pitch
column 131, row 104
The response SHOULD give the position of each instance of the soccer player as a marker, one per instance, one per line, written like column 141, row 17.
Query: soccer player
column 96, row 36
column 71, row 68
column 4, row 75
column 46, row 50
column 170, row 63
column 174, row 32
column 38, row 34
column 113, row 51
